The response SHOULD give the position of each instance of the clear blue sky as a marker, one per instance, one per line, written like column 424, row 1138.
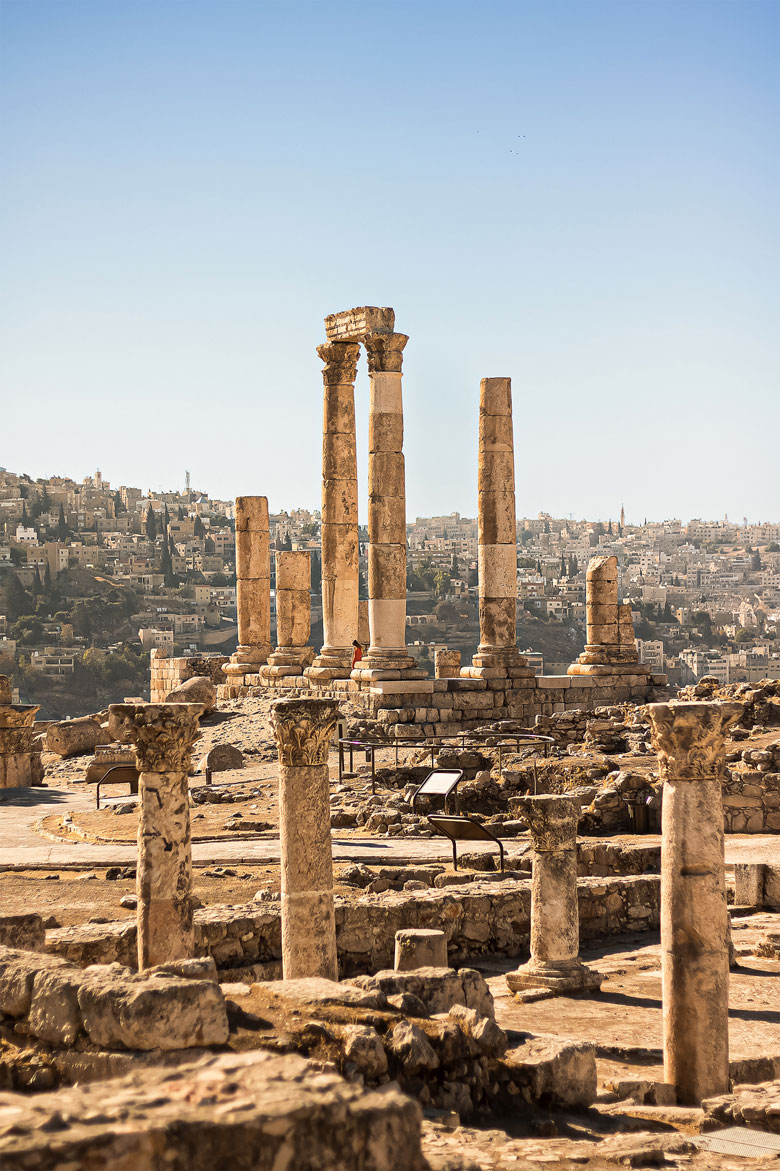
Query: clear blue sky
column 581, row 195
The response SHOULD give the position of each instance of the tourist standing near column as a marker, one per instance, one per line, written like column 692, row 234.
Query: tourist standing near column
column 253, row 586
column 689, row 739
column 386, row 506
column 163, row 735
column 303, row 730
column 339, row 512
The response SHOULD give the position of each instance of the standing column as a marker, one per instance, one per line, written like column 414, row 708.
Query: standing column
column 303, row 730
column 253, row 586
column 386, row 506
column 339, row 512
column 163, row 735
column 293, row 614
column 689, row 739
column 555, row 920
column 20, row 764
column 497, row 528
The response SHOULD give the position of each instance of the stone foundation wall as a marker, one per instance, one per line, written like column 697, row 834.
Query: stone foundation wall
column 751, row 803
column 484, row 918
column 169, row 673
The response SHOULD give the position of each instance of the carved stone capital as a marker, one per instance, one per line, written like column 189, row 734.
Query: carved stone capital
column 340, row 360
column 303, row 729
column 689, row 737
column 18, row 716
column 163, row 733
column 552, row 821
column 384, row 351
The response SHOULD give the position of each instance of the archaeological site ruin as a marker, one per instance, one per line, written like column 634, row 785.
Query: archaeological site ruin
column 312, row 911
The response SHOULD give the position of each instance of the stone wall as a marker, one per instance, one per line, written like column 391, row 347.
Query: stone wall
column 751, row 803
column 482, row 918
column 169, row 673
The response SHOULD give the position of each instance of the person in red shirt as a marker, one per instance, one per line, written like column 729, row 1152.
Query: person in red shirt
column 357, row 653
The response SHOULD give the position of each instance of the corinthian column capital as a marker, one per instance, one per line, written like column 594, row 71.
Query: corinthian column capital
column 552, row 822
column 163, row 734
column 340, row 360
column 689, row 737
column 303, row 729
column 385, row 351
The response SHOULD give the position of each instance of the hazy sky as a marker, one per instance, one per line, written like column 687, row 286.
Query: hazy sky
column 581, row 195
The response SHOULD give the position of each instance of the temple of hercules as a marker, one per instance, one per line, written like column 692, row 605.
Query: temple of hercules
column 388, row 683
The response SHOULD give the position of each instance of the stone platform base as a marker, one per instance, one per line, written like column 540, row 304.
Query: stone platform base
column 576, row 977
column 257, row 1110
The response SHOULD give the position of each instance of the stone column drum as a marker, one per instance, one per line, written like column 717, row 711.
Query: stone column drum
column 555, row 925
column 163, row 735
column 386, row 506
column 339, row 512
column 303, row 730
column 293, row 614
column 689, row 739
column 20, row 765
column 497, row 528
column 253, row 586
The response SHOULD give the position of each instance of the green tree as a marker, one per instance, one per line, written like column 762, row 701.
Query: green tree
column 47, row 579
column 17, row 599
column 37, row 586
column 119, row 507
column 755, row 561
column 151, row 524
column 63, row 532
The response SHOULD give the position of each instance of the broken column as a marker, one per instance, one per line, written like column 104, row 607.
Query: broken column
column 163, row 735
column 20, row 762
column 339, row 513
column 610, row 647
column 419, row 947
column 497, row 529
column 293, row 615
column 446, row 664
column 303, row 730
column 689, row 739
column 386, row 507
column 253, row 586
column 555, row 921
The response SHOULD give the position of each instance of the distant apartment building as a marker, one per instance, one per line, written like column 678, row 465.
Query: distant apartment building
column 651, row 653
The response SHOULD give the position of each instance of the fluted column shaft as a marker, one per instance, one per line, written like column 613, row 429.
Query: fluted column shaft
column 497, row 527
column 253, row 585
column 163, row 735
column 689, row 739
column 339, row 508
column 386, row 504
column 303, row 729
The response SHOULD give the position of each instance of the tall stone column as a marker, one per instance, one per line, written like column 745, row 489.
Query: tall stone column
column 253, row 586
column 689, row 739
column 339, row 512
column 20, row 765
column 386, row 507
column 303, row 730
column 293, row 614
column 497, row 528
column 163, row 735
column 555, row 922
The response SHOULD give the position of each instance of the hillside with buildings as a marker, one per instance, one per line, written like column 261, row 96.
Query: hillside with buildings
column 92, row 577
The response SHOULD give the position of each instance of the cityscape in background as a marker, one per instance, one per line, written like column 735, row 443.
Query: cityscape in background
column 93, row 577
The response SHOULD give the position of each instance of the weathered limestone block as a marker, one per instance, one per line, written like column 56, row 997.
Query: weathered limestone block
column 75, row 737
column 689, row 739
column 124, row 1011
column 54, row 1008
column 163, row 736
column 447, row 664
column 417, row 948
column 199, row 689
column 260, row 1110
column 555, row 929
column 303, row 729
column 555, row 1073
column 24, row 930
column 18, row 970
column 352, row 325
column 437, row 988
